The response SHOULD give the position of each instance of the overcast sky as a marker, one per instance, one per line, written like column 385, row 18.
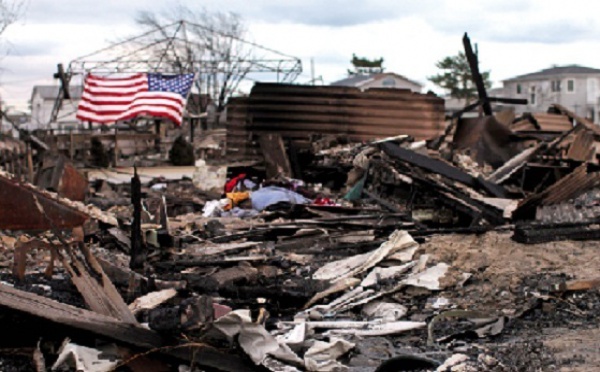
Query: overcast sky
column 513, row 36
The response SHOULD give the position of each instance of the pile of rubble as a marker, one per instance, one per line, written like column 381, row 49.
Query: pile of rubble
column 386, row 255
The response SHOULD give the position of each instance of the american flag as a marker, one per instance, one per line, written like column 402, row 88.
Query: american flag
column 109, row 99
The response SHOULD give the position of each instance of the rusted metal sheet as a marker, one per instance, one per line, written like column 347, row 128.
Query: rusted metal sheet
column 574, row 118
column 60, row 176
column 239, row 138
column 543, row 122
column 22, row 207
column 553, row 122
column 582, row 148
column 297, row 112
column 73, row 185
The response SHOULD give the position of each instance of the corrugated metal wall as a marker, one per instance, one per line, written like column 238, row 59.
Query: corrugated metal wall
column 298, row 111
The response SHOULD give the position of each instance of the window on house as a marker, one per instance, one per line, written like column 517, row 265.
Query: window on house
column 518, row 88
column 591, row 113
column 555, row 85
column 532, row 95
column 570, row 85
column 389, row 83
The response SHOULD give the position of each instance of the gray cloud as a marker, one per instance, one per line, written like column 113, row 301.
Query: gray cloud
column 510, row 21
column 32, row 48
column 554, row 32
column 332, row 13
column 504, row 21
column 106, row 12
column 332, row 58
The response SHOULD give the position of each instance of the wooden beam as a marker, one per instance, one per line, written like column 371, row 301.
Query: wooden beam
column 83, row 319
column 94, row 285
column 138, row 251
column 511, row 101
column 476, row 76
column 444, row 169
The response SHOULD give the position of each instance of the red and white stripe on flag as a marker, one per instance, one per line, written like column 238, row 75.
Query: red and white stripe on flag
column 109, row 99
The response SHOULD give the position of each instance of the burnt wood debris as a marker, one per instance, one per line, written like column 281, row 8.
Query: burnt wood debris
column 321, row 228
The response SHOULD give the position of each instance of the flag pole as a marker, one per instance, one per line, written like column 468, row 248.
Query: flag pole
column 185, row 110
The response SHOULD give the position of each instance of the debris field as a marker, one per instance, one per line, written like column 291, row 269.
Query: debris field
column 466, row 244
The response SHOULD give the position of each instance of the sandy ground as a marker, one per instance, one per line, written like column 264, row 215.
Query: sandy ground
column 502, row 270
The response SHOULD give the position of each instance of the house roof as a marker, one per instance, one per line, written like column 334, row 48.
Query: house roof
column 352, row 81
column 557, row 70
column 358, row 80
column 50, row 92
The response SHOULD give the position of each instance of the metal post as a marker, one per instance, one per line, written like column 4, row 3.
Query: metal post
column 157, row 139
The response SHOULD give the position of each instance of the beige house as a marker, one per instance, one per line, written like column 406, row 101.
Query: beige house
column 379, row 80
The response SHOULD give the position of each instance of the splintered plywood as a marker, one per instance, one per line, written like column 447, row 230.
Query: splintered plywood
column 276, row 157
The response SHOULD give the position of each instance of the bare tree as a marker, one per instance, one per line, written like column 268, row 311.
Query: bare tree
column 210, row 44
column 10, row 12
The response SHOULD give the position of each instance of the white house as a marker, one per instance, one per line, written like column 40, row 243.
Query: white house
column 575, row 87
column 43, row 99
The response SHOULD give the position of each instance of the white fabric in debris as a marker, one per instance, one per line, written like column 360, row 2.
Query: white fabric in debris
column 321, row 356
column 384, row 273
column 254, row 338
column 404, row 255
column 429, row 278
column 379, row 329
column 386, row 311
column 296, row 336
column 354, row 265
column 83, row 358
column 214, row 208
column 455, row 360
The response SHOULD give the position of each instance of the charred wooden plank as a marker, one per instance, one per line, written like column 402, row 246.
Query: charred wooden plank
column 442, row 168
column 539, row 233
column 87, row 320
column 138, row 251
column 476, row 76
column 510, row 101
column 94, row 285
